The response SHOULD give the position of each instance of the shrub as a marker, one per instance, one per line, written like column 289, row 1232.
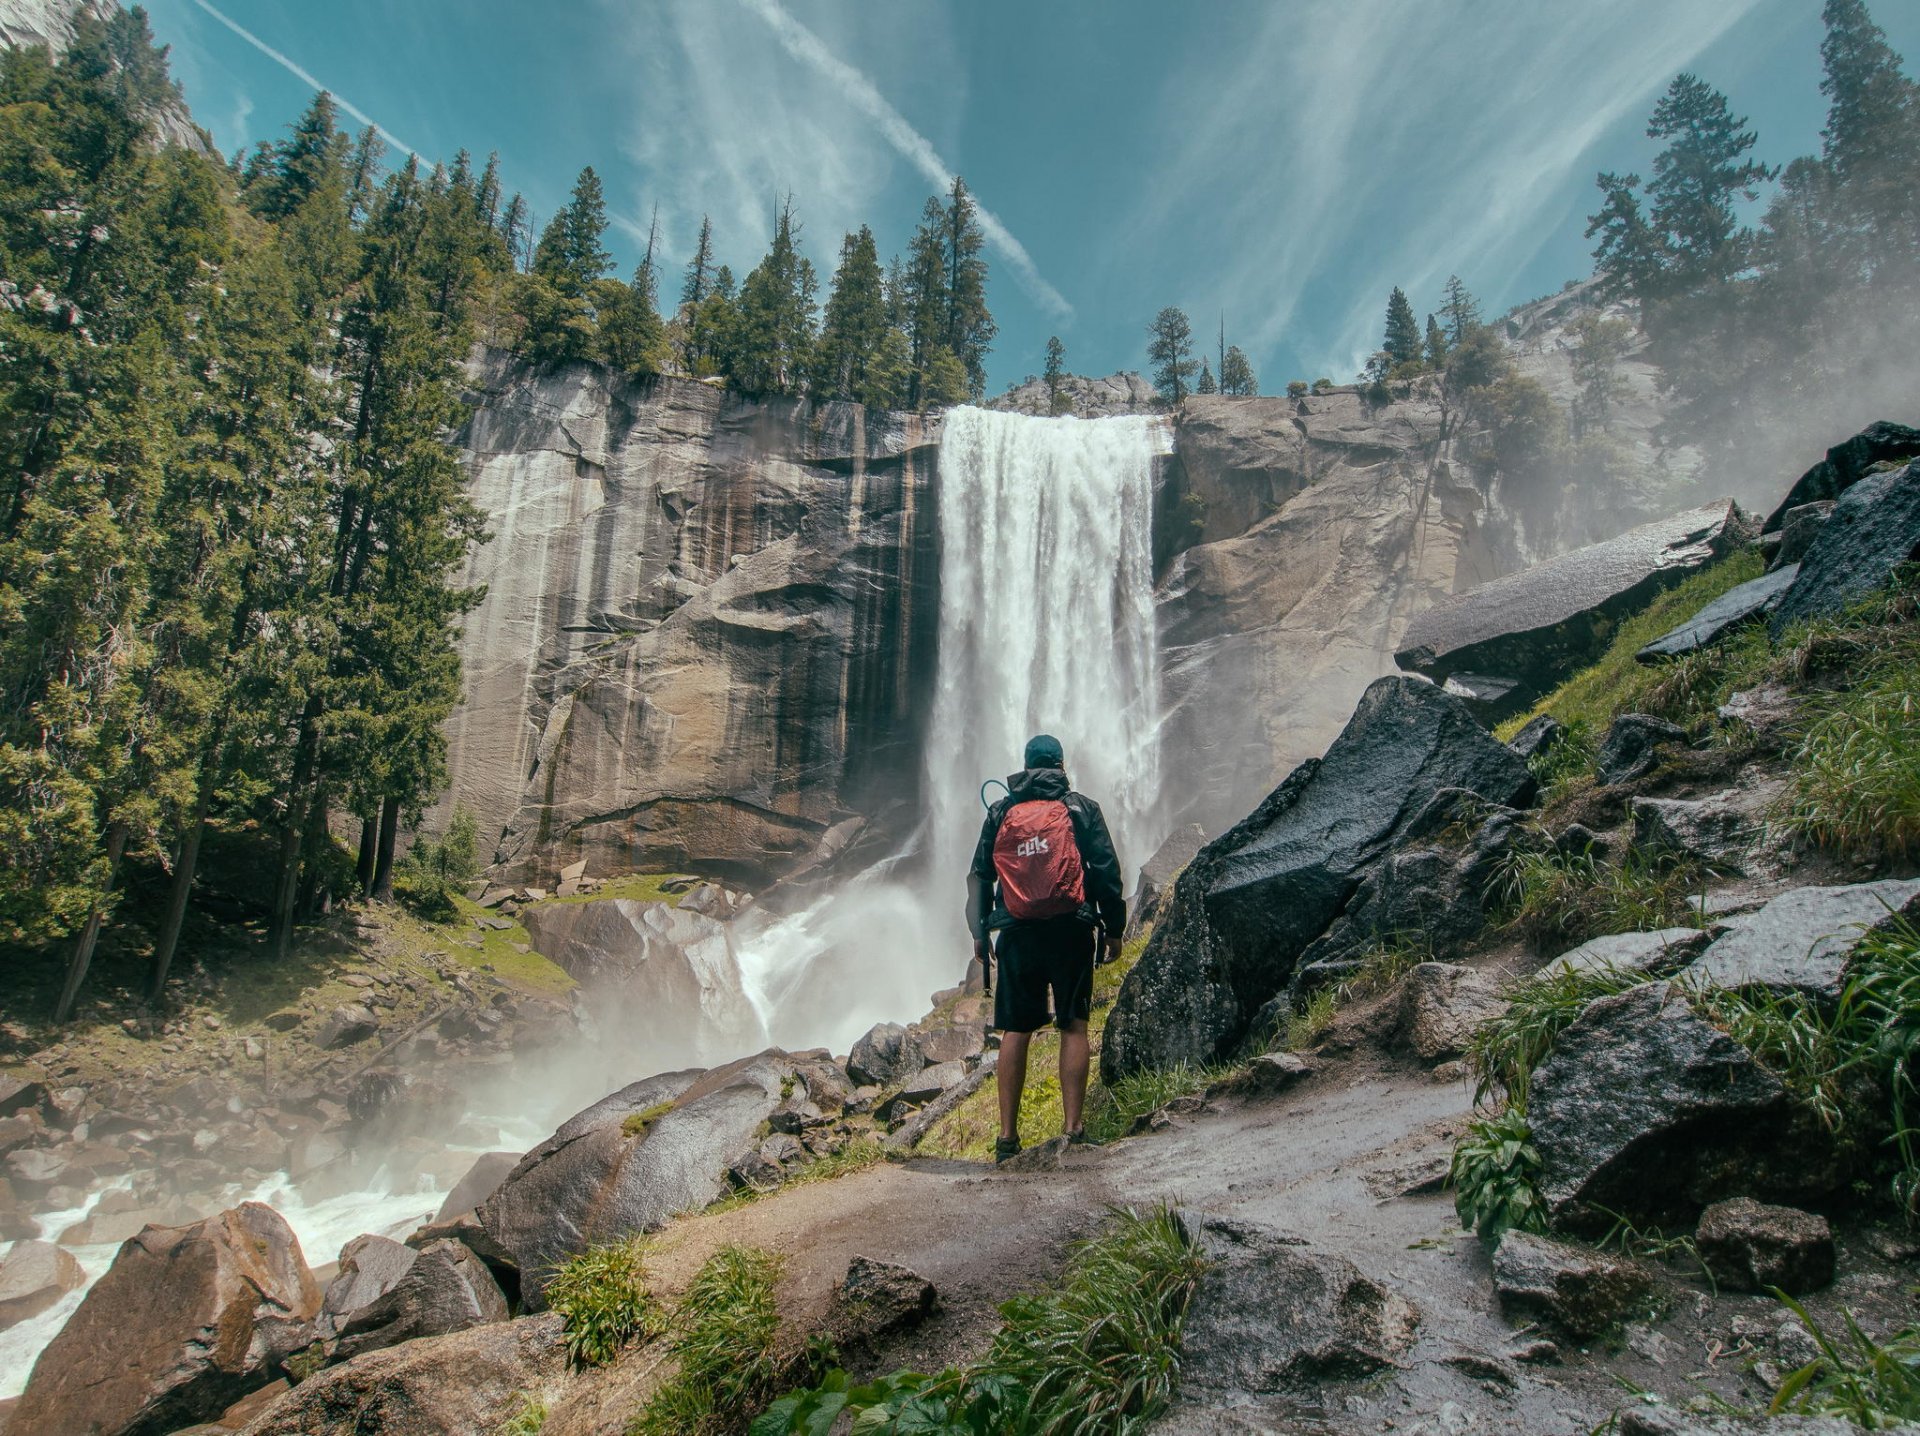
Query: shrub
column 435, row 870
column 1296, row 388
column 724, row 1331
column 1323, row 386
column 601, row 1295
column 1495, row 1168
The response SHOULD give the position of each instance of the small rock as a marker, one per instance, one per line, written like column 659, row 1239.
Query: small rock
column 254, row 1048
column 877, row 1299
column 1539, row 735
column 1441, row 1005
column 357, row 979
column 1721, row 831
column 1276, row 1071
column 1749, row 1246
column 1580, row 1291
column 347, row 1024
column 885, row 1055
column 1632, row 746
column 1049, row 1156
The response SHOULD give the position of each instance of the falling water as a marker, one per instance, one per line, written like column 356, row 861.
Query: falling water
column 1046, row 625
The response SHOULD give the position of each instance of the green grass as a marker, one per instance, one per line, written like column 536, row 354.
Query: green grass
column 1564, row 898
column 1312, row 1020
column 1875, row 1385
column 1115, row 1110
column 1097, row 1352
column 635, row 1124
column 1505, row 1048
column 640, row 887
column 1619, row 683
column 723, row 1340
column 1856, row 771
column 601, row 1295
column 530, row 1420
column 499, row 951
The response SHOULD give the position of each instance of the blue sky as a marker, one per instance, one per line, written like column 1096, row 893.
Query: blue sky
column 1282, row 161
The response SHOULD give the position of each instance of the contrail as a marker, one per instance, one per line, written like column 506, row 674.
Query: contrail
column 805, row 46
column 301, row 74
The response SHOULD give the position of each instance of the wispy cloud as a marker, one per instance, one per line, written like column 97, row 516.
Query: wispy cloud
column 860, row 92
column 1395, row 143
column 300, row 73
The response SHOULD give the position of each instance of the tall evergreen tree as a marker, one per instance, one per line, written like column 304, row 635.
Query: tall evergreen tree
column 1054, row 372
column 559, row 301
column 307, row 159
column 1403, row 342
column 1459, row 309
column 773, row 330
column 1236, row 375
column 854, row 358
column 969, row 327
column 1436, row 351
column 1870, row 141
column 1170, row 352
column 1704, row 168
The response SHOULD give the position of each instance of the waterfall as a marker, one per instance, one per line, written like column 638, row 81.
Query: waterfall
column 1046, row 625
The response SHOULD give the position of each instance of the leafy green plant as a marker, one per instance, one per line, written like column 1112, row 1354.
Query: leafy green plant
column 724, row 1329
column 1505, row 1048
column 1384, row 962
column 438, row 867
column 1879, row 1018
column 530, row 1420
column 1495, row 1171
column 1099, row 1352
column 602, row 1297
column 1875, row 1385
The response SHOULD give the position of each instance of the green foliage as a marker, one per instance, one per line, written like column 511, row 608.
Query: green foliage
column 1205, row 384
column 1506, row 1047
column 860, row 355
column 1236, row 375
column 1115, row 1109
column 1310, row 1022
column 1495, row 1175
column 1099, row 1352
column 1054, row 372
column 1323, row 386
column 723, row 1332
column 1874, row 1385
column 1170, row 352
column 601, row 1295
column 436, row 870
column 635, row 1124
column 1296, row 388
column 530, row 1420
column 1856, row 772
column 1403, row 344
column 1554, row 897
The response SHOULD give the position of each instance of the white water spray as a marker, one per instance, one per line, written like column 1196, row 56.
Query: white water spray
column 1046, row 625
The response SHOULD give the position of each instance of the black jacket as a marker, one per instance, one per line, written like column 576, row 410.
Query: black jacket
column 1106, row 899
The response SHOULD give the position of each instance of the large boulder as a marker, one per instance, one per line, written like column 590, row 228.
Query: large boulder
column 471, row 1381
column 1652, row 954
column 33, row 1276
column 883, row 1055
column 1150, row 893
column 1844, row 465
column 1534, row 628
column 1740, row 605
column 1271, row 1317
column 1250, row 903
column 370, row 1266
column 1874, row 528
column 1645, row 1109
column 1802, row 941
column 446, row 1288
column 629, row 1163
column 483, row 1178
column 186, row 1321
column 1573, row 1288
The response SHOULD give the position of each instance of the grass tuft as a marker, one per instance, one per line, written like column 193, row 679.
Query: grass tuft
column 1856, row 772
column 1875, row 1385
column 635, row 1124
column 1560, row 898
column 724, row 1329
column 602, row 1296
column 1314, row 1017
column 1506, row 1047
column 529, row 1420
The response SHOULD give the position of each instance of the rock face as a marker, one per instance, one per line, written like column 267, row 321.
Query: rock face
column 1249, row 905
column 1749, row 1246
column 49, row 24
column 708, row 630
column 1123, row 393
column 1653, row 953
column 185, row 1322
column 1271, row 1317
column 33, row 1276
column 1632, row 746
column 630, row 1162
column 1537, row 626
column 1844, row 465
column 480, row 1182
column 1742, row 604
column 665, row 978
column 1801, row 941
column 1580, row 1291
column 455, row 1385
column 1640, row 1085
column 1873, row 529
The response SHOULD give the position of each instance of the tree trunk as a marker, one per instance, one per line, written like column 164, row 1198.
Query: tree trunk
column 185, row 860
column 389, row 834
column 313, row 849
column 287, row 887
column 90, row 934
column 369, row 842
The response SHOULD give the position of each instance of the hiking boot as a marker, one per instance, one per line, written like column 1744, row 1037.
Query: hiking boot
column 1005, row 1147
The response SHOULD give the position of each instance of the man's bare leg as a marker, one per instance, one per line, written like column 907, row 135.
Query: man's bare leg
column 1074, row 1062
column 1010, row 1074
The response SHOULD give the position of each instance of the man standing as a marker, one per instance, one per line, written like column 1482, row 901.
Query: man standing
column 1046, row 879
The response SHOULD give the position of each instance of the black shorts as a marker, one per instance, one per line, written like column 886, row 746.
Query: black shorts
column 1038, row 957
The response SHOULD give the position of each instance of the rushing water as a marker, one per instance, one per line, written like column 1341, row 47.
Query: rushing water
column 1046, row 625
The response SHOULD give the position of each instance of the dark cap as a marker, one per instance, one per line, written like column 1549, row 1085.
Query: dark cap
column 1043, row 751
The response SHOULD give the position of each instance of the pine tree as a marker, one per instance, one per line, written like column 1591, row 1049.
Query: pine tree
column 1205, row 384
column 851, row 359
column 1054, row 371
column 1696, row 180
column 302, row 163
column 969, row 327
column 1871, row 138
column 1599, row 344
column 1236, row 375
column 700, row 268
column 1459, row 309
column 1436, row 344
column 1402, row 344
column 1170, row 351
column 560, row 298
column 773, row 330
column 363, row 172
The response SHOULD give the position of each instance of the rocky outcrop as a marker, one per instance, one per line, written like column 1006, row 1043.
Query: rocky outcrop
column 33, row 1276
column 708, row 630
column 1084, row 398
column 1249, row 905
column 1844, row 465
column 665, row 978
column 444, row 1288
column 1800, row 943
column 1533, row 629
column 1740, row 605
column 1873, row 529
column 186, row 1321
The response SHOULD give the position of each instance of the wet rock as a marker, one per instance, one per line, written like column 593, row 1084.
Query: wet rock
column 1645, row 1109
column 445, row 1289
column 1156, row 876
column 1657, row 1421
column 1873, row 529
column 35, row 1170
column 186, row 1321
column 1537, row 737
column 885, row 1055
column 1537, row 626
column 483, row 1178
column 1845, row 464
column 1766, row 709
column 825, row 1082
column 797, row 1115
column 1271, row 1316
column 630, row 1162
column 1740, row 605
column 1800, row 528
column 1248, row 907
column 1276, row 1071
column 1439, row 892
column 1721, row 831
column 470, row 1381
column 1749, row 1246
column 1652, row 954
column 1801, row 941
column 1572, row 1288
column 33, row 1276
column 1632, row 746
column 1440, row 1006
column 877, row 1299
column 347, row 1024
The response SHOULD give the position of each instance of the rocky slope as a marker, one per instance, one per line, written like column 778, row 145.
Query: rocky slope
column 49, row 24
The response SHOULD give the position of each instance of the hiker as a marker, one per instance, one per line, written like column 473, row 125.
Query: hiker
column 1046, row 879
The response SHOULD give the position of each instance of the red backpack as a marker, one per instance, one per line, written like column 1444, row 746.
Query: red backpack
column 1038, row 861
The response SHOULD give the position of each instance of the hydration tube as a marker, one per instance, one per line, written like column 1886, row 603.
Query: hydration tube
column 992, row 783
